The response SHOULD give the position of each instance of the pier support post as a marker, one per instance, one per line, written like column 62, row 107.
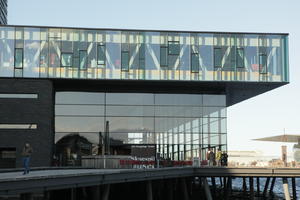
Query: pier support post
column 95, row 192
column 206, row 189
column 272, row 185
column 149, row 190
column 213, row 182
column 184, row 189
column 244, row 185
column 46, row 195
column 294, row 188
column 251, row 187
column 257, row 186
column 73, row 193
column 26, row 196
column 170, row 190
column 286, row 189
column 105, row 193
column 266, row 187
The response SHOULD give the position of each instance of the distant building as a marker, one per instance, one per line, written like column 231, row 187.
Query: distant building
column 3, row 11
column 254, row 158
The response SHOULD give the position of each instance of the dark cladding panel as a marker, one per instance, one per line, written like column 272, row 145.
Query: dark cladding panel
column 27, row 119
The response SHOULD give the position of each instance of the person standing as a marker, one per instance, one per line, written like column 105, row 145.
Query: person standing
column 218, row 157
column 210, row 157
column 26, row 153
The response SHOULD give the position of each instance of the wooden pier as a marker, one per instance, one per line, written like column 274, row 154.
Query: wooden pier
column 150, row 183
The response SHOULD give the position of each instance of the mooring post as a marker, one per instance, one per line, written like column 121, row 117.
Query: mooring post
column 294, row 188
column 149, row 190
column 251, row 187
column 272, row 185
column 266, row 187
column 105, row 193
column 206, row 189
column 257, row 186
column 285, row 186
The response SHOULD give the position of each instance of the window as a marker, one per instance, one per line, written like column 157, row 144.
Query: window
column 21, row 96
column 66, row 59
column 101, row 55
column 195, row 65
column 82, row 59
column 18, row 58
column 174, row 47
column 125, row 61
column 18, row 126
column 240, row 58
column 163, row 56
column 263, row 63
column 217, row 57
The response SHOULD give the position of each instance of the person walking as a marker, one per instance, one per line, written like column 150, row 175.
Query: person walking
column 26, row 153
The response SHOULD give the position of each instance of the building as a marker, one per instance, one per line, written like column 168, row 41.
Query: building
column 69, row 91
column 3, row 11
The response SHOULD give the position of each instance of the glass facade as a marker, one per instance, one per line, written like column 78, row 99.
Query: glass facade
column 41, row 52
column 180, row 126
column 3, row 11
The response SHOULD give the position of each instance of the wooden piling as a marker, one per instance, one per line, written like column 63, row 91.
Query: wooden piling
column 105, row 193
column 294, row 188
column 149, row 190
column 244, row 185
column 272, row 185
column 257, row 186
column 286, row 188
column 184, row 189
column 266, row 187
column 251, row 187
column 206, row 189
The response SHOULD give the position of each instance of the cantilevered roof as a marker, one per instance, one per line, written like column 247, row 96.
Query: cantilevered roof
column 281, row 138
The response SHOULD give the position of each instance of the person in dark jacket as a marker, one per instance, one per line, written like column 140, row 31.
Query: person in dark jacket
column 26, row 153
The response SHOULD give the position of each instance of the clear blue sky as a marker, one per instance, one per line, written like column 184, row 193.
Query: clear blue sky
column 265, row 115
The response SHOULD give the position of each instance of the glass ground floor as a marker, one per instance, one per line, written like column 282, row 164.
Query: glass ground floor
column 171, row 126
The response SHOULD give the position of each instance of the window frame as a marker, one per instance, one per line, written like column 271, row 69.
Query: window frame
column 166, row 59
column 198, row 67
column 61, row 59
column 125, row 69
column 104, row 53
column 22, row 58
column 174, row 42
column 215, row 57
column 237, row 57
column 262, row 67
column 80, row 59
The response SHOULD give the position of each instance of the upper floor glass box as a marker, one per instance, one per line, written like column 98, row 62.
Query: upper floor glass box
column 76, row 53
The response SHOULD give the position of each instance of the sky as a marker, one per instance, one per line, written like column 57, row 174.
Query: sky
column 265, row 115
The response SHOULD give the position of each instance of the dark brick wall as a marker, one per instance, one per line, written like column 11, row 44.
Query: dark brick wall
column 39, row 111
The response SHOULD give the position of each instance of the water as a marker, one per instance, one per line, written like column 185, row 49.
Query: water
column 237, row 183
